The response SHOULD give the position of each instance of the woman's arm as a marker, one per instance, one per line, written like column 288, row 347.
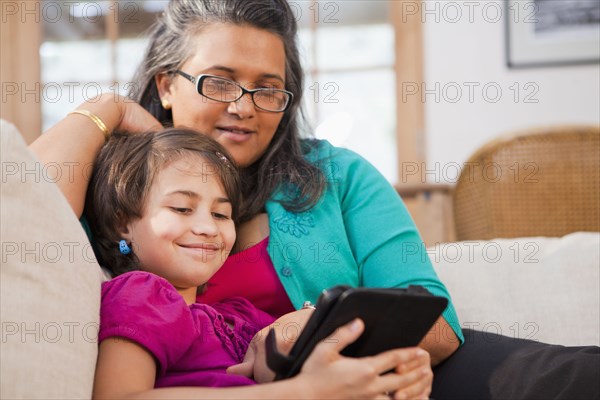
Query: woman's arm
column 71, row 146
column 126, row 370
column 440, row 342
column 386, row 244
column 286, row 327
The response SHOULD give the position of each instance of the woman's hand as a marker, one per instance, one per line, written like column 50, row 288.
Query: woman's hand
column 418, row 367
column 122, row 114
column 287, row 329
column 74, row 142
column 331, row 375
column 135, row 118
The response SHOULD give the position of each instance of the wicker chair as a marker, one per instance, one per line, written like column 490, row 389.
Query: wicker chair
column 537, row 183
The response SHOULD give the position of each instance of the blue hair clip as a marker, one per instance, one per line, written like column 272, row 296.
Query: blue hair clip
column 123, row 247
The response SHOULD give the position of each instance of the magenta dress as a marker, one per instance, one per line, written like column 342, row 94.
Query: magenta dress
column 192, row 345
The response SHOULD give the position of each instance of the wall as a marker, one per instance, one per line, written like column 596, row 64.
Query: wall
column 471, row 52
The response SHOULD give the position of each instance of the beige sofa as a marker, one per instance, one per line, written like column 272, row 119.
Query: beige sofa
column 545, row 289
column 542, row 289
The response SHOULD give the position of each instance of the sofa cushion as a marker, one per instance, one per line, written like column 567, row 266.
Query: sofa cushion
column 543, row 289
column 50, row 284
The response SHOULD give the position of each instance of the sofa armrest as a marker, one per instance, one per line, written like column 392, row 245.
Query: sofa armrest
column 50, row 284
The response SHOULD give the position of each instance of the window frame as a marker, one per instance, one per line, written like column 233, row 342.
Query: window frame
column 410, row 125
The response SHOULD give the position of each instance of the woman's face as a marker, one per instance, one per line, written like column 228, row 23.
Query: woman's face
column 250, row 56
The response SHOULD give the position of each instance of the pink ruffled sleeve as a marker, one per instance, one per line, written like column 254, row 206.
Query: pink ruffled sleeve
column 147, row 310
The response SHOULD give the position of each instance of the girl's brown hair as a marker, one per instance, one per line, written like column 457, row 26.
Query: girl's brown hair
column 123, row 175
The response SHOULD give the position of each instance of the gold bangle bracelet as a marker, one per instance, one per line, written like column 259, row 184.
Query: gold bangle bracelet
column 96, row 119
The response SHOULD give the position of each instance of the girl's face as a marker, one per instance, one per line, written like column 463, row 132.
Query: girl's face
column 186, row 231
column 250, row 56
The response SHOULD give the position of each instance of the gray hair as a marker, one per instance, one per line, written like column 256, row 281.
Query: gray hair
column 283, row 163
column 181, row 20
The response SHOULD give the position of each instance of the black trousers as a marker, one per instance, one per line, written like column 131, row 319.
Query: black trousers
column 490, row 366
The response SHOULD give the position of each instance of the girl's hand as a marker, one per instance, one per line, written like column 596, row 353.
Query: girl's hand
column 330, row 375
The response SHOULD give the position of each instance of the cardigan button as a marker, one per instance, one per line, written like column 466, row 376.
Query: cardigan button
column 286, row 271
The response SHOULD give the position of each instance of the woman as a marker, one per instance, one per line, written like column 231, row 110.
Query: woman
column 313, row 215
column 213, row 47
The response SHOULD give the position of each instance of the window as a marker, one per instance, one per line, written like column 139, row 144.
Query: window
column 348, row 55
column 350, row 96
column 93, row 48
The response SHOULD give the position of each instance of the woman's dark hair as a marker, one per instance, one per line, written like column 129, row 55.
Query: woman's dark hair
column 283, row 165
column 123, row 175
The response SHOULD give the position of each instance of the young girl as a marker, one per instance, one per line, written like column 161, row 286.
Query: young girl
column 162, row 208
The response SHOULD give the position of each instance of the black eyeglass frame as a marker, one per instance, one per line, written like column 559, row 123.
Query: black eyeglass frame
column 198, row 80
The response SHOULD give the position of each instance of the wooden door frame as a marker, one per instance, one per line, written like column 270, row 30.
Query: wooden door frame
column 410, row 110
column 20, row 71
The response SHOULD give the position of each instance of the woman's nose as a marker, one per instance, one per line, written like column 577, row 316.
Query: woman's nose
column 244, row 107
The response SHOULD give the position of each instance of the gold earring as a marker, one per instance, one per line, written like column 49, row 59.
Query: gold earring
column 166, row 105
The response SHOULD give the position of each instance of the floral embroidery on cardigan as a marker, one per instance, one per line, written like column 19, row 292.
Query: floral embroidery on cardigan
column 294, row 224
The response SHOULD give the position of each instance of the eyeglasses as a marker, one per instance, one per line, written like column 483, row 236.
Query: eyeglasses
column 227, row 91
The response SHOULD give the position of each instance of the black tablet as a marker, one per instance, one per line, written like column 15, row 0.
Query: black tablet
column 393, row 318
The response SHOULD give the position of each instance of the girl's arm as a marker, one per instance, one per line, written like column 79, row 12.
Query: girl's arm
column 71, row 146
column 126, row 370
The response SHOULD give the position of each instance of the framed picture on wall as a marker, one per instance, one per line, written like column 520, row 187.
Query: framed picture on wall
column 552, row 32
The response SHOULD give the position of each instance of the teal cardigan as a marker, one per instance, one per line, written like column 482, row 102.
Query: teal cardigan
column 358, row 234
